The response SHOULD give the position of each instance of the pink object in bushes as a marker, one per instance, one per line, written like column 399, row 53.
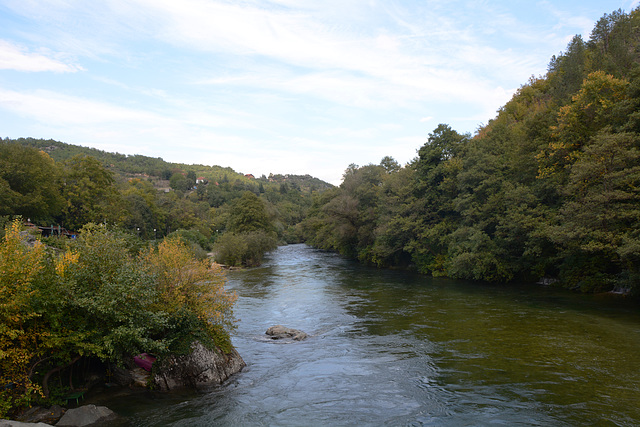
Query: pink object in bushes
column 145, row 361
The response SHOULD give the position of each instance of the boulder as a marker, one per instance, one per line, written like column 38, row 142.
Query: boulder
column 201, row 368
column 86, row 416
column 11, row 423
column 132, row 377
column 38, row 414
column 279, row 332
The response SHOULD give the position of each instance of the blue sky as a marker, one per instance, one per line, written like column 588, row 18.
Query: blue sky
column 279, row 86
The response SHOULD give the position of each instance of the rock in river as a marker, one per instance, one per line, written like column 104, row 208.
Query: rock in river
column 279, row 332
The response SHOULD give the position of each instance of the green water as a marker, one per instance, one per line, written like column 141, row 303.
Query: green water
column 395, row 348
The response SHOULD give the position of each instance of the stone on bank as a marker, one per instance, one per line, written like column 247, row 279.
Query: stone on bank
column 201, row 368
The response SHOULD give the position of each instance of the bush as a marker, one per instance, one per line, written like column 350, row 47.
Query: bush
column 96, row 299
column 246, row 249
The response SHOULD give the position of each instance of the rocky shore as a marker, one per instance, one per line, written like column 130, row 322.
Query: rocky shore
column 201, row 368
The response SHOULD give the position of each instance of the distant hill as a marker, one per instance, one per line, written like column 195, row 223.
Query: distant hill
column 160, row 170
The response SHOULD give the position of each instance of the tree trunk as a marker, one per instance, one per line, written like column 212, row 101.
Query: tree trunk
column 45, row 380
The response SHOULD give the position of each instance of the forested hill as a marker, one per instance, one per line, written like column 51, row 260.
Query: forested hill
column 157, row 168
column 53, row 183
column 549, row 188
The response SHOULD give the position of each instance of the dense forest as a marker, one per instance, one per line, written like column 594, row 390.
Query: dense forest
column 548, row 189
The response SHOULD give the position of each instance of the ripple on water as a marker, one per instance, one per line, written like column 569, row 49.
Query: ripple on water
column 395, row 348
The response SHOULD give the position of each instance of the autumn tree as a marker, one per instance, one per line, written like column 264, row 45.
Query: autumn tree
column 20, row 330
column 98, row 299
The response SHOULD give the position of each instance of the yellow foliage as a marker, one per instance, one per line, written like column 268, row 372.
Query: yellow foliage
column 19, row 266
column 69, row 258
column 591, row 109
column 184, row 282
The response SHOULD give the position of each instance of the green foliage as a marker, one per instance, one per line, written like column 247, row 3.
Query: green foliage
column 179, row 182
column 89, row 191
column 548, row 188
column 247, row 214
column 29, row 183
column 147, row 197
column 97, row 299
column 244, row 249
column 191, row 236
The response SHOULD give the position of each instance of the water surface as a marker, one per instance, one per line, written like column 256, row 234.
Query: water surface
column 396, row 348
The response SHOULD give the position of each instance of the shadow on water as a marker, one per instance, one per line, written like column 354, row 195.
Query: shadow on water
column 396, row 348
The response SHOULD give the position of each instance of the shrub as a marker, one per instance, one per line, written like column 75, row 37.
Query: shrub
column 246, row 249
column 96, row 299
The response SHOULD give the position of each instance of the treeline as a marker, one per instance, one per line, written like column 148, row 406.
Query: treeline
column 550, row 188
column 53, row 183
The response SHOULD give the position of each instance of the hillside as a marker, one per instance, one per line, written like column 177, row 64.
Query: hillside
column 54, row 183
column 160, row 170
column 548, row 190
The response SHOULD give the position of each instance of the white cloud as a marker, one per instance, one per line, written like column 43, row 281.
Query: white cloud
column 271, row 85
column 60, row 110
column 14, row 57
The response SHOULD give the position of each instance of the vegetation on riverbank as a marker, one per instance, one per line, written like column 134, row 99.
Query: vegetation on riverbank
column 99, row 298
column 548, row 188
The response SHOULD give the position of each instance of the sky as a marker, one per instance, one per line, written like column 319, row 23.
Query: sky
column 280, row 86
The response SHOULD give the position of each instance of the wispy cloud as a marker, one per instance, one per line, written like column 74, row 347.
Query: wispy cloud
column 271, row 85
column 14, row 57
column 63, row 110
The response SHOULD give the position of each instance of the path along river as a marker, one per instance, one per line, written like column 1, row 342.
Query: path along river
column 396, row 348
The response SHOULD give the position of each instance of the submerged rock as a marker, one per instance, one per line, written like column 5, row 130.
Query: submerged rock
column 279, row 332
column 202, row 368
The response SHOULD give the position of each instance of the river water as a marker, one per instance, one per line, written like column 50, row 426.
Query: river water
column 400, row 349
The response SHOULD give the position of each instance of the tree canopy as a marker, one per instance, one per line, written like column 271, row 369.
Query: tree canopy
column 548, row 188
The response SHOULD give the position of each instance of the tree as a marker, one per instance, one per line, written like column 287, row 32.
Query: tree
column 602, row 204
column 566, row 72
column 435, row 186
column 249, row 213
column 90, row 193
column 20, row 333
column 99, row 300
column 246, row 249
column 29, row 183
column 140, row 199
column 191, row 180
column 179, row 182
column 390, row 164
column 186, row 284
column 595, row 106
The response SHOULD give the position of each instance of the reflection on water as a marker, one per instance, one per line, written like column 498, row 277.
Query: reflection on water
column 395, row 348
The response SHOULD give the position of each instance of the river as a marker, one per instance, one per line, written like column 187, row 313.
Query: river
column 401, row 349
